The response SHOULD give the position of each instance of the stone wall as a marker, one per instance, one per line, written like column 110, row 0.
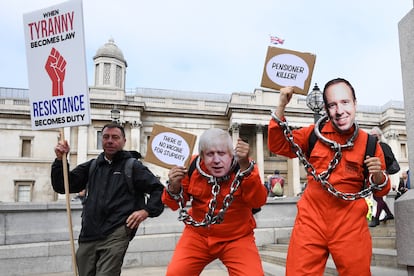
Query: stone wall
column 34, row 238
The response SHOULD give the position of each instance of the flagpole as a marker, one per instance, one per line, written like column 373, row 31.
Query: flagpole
column 68, row 209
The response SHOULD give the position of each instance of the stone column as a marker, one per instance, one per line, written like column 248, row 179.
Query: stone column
column 293, row 180
column 67, row 133
column 406, row 33
column 235, row 127
column 404, row 206
column 259, row 150
column 136, row 136
column 82, row 144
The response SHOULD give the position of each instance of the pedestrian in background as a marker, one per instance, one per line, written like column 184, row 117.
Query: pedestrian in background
column 390, row 161
column 404, row 184
column 276, row 185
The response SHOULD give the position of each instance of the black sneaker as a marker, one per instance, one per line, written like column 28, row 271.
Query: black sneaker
column 388, row 217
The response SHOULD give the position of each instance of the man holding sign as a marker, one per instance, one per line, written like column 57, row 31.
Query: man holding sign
column 112, row 209
column 331, row 218
column 223, row 189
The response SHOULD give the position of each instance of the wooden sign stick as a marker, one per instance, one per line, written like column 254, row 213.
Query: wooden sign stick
column 68, row 210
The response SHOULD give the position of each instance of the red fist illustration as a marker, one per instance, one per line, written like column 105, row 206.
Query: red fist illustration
column 56, row 68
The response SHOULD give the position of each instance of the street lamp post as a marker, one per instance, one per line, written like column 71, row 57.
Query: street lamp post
column 115, row 115
column 314, row 100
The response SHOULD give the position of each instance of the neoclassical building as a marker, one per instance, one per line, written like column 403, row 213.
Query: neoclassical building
column 26, row 155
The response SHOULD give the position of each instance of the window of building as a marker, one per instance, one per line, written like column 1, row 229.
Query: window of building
column 23, row 190
column 107, row 73
column 118, row 76
column 99, row 139
column 96, row 74
column 26, row 146
column 404, row 154
column 144, row 149
column 271, row 154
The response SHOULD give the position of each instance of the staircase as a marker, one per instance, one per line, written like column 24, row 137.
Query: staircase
column 384, row 254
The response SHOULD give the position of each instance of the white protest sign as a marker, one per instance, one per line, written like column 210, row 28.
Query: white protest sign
column 55, row 51
column 281, row 71
column 288, row 68
column 170, row 147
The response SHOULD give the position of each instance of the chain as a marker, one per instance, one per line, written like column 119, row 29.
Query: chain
column 324, row 176
column 210, row 218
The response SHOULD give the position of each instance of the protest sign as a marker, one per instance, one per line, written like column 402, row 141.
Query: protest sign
column 58, row 87
column 285, row 67
column 170, row 147
column 55, row 52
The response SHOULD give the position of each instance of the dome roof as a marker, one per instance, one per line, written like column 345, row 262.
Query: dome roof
column 110, row 50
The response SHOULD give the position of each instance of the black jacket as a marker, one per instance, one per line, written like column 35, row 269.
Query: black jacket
column 388, row 154
column 109, row 201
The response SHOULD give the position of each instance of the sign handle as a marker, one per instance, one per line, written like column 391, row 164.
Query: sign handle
column 68, row 210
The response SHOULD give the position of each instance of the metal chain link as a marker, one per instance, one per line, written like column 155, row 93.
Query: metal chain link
column 210, row 218
column 324, row 176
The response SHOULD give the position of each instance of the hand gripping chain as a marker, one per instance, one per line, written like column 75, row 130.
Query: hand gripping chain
column 210, row 218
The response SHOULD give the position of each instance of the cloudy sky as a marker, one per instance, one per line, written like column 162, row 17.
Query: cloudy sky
column 220, row 46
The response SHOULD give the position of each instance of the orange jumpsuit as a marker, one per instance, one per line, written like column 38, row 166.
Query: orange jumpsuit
column 324, row 223
column 232, row 241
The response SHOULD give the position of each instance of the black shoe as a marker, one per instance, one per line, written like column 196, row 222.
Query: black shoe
column 374, row 222
column 388, row 217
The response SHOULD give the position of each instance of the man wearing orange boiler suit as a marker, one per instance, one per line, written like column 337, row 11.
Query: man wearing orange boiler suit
column 331, row 216
column 222, row 190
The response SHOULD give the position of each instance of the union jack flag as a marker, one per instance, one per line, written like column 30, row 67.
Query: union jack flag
column 276, row 40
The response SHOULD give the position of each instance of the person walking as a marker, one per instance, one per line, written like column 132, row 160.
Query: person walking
column 222, row 191
column 112, row 210
column 331, row 216
column 389, row 159
column 403, row 185
column 276, row 185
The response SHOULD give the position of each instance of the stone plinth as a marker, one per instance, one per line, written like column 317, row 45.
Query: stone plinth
column 404, row 226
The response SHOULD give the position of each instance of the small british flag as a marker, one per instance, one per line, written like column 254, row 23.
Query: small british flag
column 276, row 40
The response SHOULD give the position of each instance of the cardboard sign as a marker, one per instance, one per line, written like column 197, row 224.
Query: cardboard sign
column 170, row 147
column 55, row 52
column 285, row 67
